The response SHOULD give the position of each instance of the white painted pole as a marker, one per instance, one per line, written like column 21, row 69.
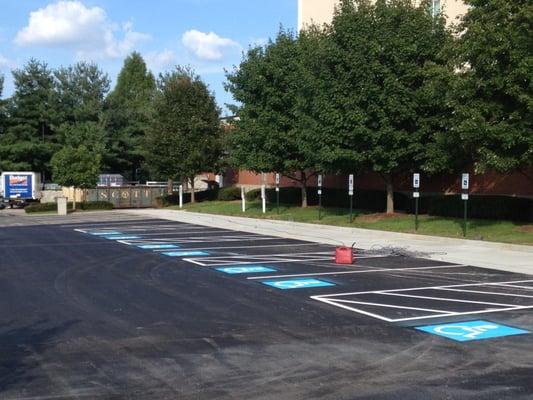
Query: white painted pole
column 181, row 196
column 263, row 198
column 243, row 197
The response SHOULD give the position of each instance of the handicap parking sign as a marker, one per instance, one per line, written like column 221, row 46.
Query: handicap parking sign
column 185, row 253
column 297, row 283
column 471, row 330
column 252, row 269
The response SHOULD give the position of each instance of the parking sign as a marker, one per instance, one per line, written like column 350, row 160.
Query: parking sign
column 277, row 179
column 416, row 181
column 465, row 182
column 319, row 179
column 350, row 184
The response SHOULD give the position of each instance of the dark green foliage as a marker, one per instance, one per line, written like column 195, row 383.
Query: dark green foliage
column 272, row 133
column 384, row 70
column 88, row 205
column 76, row 166
column 29, row 140
column 184, row 137
column 128, row 114
column 173, row 199
column 494, row 97
column 229, row 193
column 253, row 194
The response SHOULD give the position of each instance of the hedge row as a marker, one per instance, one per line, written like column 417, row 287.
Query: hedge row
column 89, row 205
column 482, row 206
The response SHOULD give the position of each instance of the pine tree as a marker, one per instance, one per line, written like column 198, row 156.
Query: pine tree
column 128, row 114
column 30, row 140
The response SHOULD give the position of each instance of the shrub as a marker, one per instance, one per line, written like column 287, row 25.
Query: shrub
column 229, row 193
column 38, row 207
column 253, row 194
column 96, row 205
column 173, row 199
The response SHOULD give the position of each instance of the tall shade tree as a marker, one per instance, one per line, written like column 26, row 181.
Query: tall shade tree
column 272, row 133
column 3, row 116
column 80, row 92
column 128, row 115
column 29, row 140
column 495, row 92
column 76, row 166
column 184, row 137
column 383, row 63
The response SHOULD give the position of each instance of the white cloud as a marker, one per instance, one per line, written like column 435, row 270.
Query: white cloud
column 6, row 62
column 87, row 30
column 208, row 46
column 158, row 60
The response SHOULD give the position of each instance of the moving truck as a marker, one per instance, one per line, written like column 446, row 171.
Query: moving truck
column 16, row 188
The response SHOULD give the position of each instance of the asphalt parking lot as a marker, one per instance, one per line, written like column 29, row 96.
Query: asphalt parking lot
column 129, row 308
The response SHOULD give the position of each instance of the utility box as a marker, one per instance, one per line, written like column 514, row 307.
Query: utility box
column 61, row 205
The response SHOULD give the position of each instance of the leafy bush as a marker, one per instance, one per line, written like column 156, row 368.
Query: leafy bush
column 174, row 200
column 38, row 207
column 229, row 193
column 253, row 194
column 96, row 205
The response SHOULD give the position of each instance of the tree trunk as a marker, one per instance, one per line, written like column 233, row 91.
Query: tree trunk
column 193, row 199
column 303, row 185
column 170, row 186
column 390, row 195
column 74, row 200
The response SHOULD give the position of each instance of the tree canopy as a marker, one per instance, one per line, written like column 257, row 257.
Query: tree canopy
column 184, row 137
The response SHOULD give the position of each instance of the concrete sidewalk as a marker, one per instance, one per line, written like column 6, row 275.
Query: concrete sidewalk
column 500, row 256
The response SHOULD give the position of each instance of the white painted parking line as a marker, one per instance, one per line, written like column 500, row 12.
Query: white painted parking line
column 197, row 240
column 360, row 271
column 251, row 246
column 354, row 301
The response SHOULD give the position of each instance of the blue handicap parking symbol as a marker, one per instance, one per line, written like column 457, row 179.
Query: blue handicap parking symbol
column 157, row 246
column 106, row 233
column 301, row 283
column 122, row 237
column 185, row 253
column 471, row 330
column 251, row 269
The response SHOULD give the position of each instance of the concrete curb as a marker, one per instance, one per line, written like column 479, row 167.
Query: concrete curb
column 499, row 256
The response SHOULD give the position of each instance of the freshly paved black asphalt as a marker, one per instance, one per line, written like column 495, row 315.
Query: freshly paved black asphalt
column 82, row 317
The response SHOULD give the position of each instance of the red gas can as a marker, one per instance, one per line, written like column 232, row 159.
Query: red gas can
column 344, row 255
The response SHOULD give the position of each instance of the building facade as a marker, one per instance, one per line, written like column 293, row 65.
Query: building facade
column 321, row 11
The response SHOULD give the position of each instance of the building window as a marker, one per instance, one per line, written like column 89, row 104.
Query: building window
column 435, row 8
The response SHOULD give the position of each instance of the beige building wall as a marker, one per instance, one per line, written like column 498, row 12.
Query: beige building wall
column 321, row 11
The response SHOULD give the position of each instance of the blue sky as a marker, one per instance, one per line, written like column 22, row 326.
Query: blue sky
column 209, row 35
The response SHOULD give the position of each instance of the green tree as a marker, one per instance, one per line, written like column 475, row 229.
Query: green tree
column 3, row 116
column 273, row 133
column 385, row 64
column 76, row 166
column 29, row 140
column 128, row 115
column 494, row 97
column 184, row 137
column 80, row 92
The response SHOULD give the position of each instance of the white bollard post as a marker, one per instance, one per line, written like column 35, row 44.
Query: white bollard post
column 243, row 198
column 263, row 198
column 181, row 196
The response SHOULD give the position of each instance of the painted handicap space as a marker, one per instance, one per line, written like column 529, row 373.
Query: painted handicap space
column 301, row 283
column 185, row 253
column 252, row 269
column 158, row 246
column 105, row 233
column 122, row 237
column 471, row 330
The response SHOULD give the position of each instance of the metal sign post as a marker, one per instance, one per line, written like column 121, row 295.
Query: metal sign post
column 263, row 192
column 277, row 191
column 243, row 198
column 350, row 193
column 319, row 183
column 416, row 196
column 181, row 196
column 465, row 185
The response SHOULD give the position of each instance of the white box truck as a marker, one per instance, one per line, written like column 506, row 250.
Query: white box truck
column 16, row 188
